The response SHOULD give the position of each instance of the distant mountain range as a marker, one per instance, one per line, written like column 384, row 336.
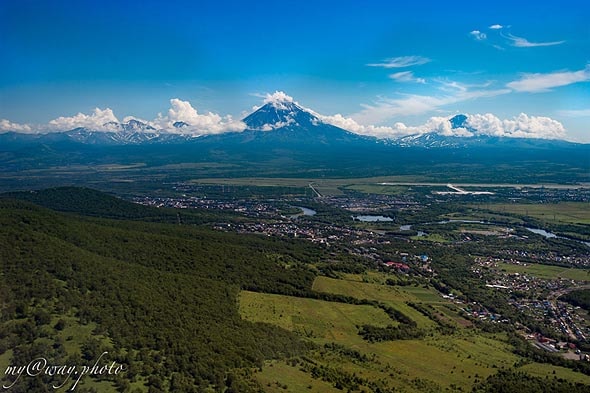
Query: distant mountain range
column 281, row 139
column 281, row 122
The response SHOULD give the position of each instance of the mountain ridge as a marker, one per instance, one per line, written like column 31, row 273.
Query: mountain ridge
column 282, row 122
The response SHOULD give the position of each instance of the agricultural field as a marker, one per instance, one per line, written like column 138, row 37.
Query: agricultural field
column 547, row 271
column 435, row 362
column 548, row 371
column 324, row 186
column 279, row 376
column 565, row 212
column 392, row 296
column 319, row 320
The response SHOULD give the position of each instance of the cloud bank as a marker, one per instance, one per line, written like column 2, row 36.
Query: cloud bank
column 199, row 124
column 180, row 112
column 183, row 118
column 98, row 120
column 521, row 126
column 7, row 125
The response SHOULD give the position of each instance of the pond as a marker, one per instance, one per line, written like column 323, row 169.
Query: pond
column 549, row 235
column 304, row 212
column 372, row 218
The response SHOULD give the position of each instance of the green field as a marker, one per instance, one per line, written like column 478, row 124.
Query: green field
column 324, row 186
column 436, row 361
column 433, row 363
column 547, row 271
column 379, row 189
column 565, row 212
column 392, row 296
column 546, row 370
column 315, row 319
column 278, row 376
column 431, row 237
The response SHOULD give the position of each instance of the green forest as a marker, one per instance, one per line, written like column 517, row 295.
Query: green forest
column 83, row 273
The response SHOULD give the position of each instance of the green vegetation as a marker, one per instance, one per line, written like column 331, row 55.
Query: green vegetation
column 547, row 271
column 393, row 296
column 565, row 212
column 580, row 298
column 462, row 358
column 189, row 309
column 160, row 298
column 509, row 381
column 545, row 370
column 320, row 320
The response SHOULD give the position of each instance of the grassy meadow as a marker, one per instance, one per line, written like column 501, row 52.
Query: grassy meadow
column 547, row 271
column 437, row 362
column 565, row 212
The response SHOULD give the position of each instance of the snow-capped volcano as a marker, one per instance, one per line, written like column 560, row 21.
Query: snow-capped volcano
column 283, row 122
column 278, row 114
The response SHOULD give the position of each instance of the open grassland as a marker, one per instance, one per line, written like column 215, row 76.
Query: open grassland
column 378, row 189
column 431, row 237
column 546, row 370
column 278, row 376
column 565, row 212
column 319, row 320
column 393, row 296
column 324, row 186
column 436, row 362
column 547, row 271
column 373, row 287
column 375, row 185
column 447, row 360
column 431, row 364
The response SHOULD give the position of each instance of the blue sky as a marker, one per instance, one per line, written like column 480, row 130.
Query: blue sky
column 363, row 65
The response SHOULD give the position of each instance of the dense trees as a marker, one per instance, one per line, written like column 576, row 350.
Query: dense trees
column 511, row 381
column 579, row 298
column 164, row 295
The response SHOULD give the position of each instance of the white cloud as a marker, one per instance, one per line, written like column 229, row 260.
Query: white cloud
column 105, row 120
column 521, row 126
column 406, row 76
column 536, row 83
column 496, row 27
column 349, row 124
column 524, row 43
column 95, row 121
column 277, row 97
column 7, row 125
column 200, row 124
column 478, row 35
column 401, row 62
column 129, row 118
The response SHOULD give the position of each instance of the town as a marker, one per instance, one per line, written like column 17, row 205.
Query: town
column 386, row 232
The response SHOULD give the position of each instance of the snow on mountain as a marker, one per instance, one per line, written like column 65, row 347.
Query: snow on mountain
column 278, row 114
column 282, row 121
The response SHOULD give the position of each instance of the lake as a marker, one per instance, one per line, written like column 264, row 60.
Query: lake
column 372, row 218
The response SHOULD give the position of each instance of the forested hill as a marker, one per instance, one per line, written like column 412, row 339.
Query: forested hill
column 94, row 203
column 160, row 298
column 85, row 201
